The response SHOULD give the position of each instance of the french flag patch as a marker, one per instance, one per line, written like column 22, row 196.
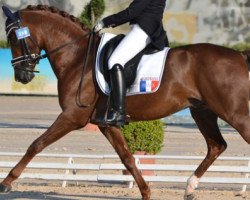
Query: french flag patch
column 148, row 84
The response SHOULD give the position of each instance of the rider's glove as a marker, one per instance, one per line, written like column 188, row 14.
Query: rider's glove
column 99, row 26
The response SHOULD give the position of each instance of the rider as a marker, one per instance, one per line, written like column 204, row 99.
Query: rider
column 145, row 16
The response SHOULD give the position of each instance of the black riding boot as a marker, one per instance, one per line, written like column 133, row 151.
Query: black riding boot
column 116, row 115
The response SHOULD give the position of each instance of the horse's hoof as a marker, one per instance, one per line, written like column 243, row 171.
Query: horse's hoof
column 4, row 189
column 190, row 197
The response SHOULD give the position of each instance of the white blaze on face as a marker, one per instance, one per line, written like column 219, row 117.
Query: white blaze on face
column 192, row 184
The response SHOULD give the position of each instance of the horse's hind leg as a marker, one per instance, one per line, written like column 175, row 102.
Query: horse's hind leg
column 241, row 122
column 206, row 121
column 117, row 140
column 60, row 127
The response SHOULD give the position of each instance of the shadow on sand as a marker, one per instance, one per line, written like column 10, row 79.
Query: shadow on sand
column 55, row 196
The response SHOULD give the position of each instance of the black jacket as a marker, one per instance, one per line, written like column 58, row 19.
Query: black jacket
column 148, row 15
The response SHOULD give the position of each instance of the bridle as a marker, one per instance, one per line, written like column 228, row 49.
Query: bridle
column 31, row 59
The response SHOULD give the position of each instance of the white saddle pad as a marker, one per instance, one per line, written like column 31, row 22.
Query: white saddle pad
column 149, row 71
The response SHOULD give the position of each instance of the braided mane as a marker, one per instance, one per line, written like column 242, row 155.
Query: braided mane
column 55, row 10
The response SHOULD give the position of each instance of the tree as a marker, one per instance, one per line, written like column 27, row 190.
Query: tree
column 92, row 11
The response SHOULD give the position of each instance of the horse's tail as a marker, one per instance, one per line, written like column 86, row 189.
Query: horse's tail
column 246, row 55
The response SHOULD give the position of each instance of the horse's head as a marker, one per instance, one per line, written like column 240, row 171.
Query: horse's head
column 25, row 50
column 62, row 36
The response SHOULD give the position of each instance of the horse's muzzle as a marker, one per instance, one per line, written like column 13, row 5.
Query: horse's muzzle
column 23, row 76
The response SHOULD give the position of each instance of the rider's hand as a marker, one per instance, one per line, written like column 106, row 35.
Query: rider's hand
column 99, row 26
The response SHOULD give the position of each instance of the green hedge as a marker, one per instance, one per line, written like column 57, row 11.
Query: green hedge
column 176, row 44
column 4, row 44
column 92, row 11
column 145, row 136
column 240, row 47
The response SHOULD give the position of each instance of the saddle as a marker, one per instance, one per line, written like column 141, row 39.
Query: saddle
column 130, row 67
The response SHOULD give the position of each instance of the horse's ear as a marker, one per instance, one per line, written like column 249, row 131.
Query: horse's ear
column 8, row 13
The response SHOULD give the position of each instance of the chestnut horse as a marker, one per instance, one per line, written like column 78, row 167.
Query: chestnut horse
column 211, row 80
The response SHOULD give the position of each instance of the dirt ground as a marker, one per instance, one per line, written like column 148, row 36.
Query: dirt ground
column 22, row 119
column 110, row 193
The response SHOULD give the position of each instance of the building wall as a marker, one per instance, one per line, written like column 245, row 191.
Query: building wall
column 213, row 21
column 189, row 21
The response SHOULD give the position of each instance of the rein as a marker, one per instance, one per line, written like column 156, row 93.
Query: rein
column 62, row 46
column 91, row 43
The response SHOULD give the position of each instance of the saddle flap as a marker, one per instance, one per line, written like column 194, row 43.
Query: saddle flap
column 106, row 52
column 131, row 66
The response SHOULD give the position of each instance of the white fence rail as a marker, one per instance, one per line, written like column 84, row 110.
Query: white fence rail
column 242, row 171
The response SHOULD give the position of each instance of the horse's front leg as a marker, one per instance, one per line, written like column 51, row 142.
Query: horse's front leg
column 116, row 138
column 60, row 127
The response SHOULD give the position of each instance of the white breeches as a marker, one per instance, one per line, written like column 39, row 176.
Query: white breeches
column 134, row 42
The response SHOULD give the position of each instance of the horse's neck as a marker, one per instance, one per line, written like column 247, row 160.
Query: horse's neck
column 64, row 34
column 64, row 58
column 56, row 36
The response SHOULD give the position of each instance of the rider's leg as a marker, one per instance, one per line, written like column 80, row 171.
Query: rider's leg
column 134, row 42
column 117, row 115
